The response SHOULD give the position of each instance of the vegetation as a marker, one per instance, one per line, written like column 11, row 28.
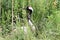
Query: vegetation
column 45, row 17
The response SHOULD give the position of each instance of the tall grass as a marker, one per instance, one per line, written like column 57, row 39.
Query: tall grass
column 45, row 17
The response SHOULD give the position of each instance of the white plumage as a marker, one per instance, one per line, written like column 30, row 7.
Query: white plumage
column 31, row 24
column 30, row 8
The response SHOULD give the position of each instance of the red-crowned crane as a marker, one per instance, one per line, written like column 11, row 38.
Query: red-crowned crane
column 30, row 10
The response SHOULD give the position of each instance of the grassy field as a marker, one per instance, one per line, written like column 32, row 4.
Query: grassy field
column 45, row 18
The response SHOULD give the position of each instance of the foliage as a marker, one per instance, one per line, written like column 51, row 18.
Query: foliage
column 45, row 17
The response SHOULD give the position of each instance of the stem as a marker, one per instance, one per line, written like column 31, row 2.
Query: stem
column 12, row 13
column 0, row 7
